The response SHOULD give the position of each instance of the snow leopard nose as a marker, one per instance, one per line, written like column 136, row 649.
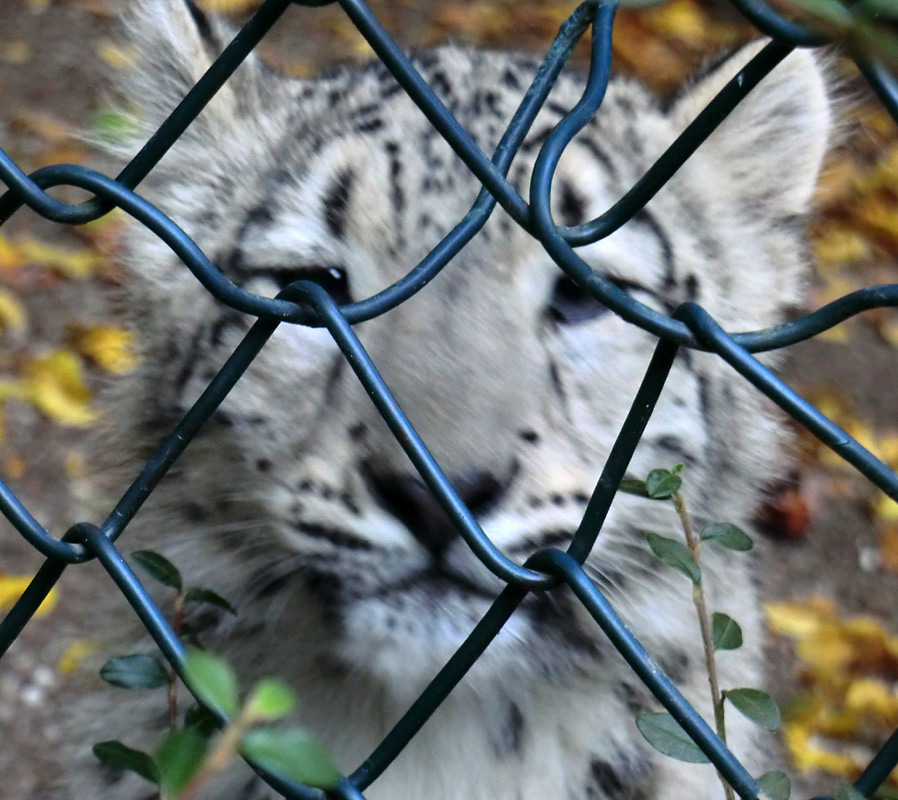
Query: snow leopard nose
column 408, row 499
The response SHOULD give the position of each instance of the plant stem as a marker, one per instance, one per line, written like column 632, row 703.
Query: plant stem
column 701, row 607
column 177, row 625
column 224, row 750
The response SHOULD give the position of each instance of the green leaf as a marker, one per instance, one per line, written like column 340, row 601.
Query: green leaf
column 775, row 785
column 293, row 753
column 727, row 535
column 211, row 598
column 633, row 486
column 119, row 756
column 113, row 127
column 211, row 678
column 158, row 567
column 179, row 757
column 662, row 483
column 845, row 791
column 269, row 700
column 675, row 554
column 664, row 733
column 136, row 671
column 758, row 706
column 725, row 632
column 201, row 720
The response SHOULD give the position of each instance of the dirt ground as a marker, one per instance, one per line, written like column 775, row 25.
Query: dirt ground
column 53, row 77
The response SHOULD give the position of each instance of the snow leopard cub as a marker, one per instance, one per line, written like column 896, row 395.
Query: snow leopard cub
column 296, row 503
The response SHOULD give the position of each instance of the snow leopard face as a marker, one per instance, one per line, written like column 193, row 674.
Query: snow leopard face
column 296, row 501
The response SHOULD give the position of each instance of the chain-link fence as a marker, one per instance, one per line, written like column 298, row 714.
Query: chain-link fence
column 307, row 303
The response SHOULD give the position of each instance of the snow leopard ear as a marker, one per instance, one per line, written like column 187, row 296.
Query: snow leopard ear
column 771, row 147
column 175, row 43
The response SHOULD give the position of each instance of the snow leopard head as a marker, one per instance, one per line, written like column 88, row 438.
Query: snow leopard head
column 296, row 501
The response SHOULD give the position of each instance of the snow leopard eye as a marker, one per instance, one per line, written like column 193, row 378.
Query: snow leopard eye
column 332, row 278
column 571, row 304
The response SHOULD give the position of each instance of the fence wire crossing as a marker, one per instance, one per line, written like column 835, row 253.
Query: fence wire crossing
column 307, row 303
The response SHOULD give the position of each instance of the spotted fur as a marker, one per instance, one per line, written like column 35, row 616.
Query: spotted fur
column 297, row 504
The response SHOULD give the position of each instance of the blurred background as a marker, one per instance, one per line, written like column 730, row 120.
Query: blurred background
column 831, row 572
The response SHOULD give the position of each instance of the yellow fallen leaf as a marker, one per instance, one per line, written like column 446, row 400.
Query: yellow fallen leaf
column 11, row 588
column 807, row 753
column 886, row 325
column 872, row 698
column 798, row 620
column 74, row 655
column 55, row 385
column 681, row 19
column 13, row 317
column 837, row 246
column 880, row 217
column 835, row 721
column 826, row 652
column 110, row 346
column 76, row 264
column 115, row 55
column 888, row 448
column 883, row 176
column 228, row 6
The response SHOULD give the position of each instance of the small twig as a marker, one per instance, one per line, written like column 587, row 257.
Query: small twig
column 177, row 626
column 224, row 751
column 698, row 598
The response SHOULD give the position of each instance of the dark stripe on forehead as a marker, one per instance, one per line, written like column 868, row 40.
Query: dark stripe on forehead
column 336, row 200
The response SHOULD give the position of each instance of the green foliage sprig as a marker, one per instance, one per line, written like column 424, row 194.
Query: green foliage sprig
column 719, row 631
column 192, row 752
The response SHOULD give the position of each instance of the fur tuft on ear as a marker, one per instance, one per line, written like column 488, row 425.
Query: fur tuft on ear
column 175, row 43
column 771, row 148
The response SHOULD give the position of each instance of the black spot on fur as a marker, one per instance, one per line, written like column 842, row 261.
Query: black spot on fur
column 340, row 539
column 335, row 202
column 371, row 125
column 627, row 779
column 200, row 20
column 675, row 664
column 510, row 79
column 358, row 432
column 572, row 207
column 441, row 85
column 514, row 728
column 604, row 781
